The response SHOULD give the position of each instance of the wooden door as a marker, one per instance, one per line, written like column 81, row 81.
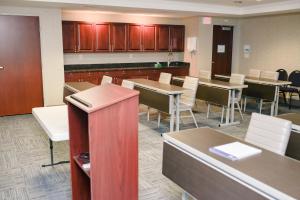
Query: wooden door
column 222, row 50
column 69, row 36
column 163, row 38
column 149, row 39
column 177, row 38
column 20, row 61
column 134, row 37
column 85, row 37
column 102, row 40
column 118, row 37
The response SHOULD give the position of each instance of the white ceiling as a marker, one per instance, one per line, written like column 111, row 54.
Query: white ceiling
column 170, row 8
column 239, row 3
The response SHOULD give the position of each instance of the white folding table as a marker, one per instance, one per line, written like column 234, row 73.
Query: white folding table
column 54, row 121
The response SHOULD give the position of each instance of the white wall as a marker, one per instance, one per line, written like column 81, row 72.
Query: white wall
column 51, row 49
column 95, row 58
column 202, row 58
column 274, row 41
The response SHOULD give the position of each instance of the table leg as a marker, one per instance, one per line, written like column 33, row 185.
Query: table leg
column 177, row 112
column 52, row 157
column 232, row 106
column 172, row 113
column 228, row 107
column 276, row 100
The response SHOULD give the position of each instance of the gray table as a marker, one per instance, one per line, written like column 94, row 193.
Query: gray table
column 163, row 97
column 218, row 92
column 188, row 162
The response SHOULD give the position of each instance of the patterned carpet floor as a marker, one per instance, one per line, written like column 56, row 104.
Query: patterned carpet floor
column 24, row 147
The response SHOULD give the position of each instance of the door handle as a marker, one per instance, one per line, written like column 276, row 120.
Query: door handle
column 1, row 68
column 213, row 62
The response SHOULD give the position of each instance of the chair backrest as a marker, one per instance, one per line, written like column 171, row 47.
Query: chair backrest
column 255, row 73
column 294, row 77
column 165, row 78
column 127, row 84
column 269, row 75
column 269, row 132
column 189, row 96
column 204, row 74
column 283, row 75
column 237, row 79
column 106, row 79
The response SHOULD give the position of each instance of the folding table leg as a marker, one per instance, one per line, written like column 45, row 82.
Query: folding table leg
column 52, row 157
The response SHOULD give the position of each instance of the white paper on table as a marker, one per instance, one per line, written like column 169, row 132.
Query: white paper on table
column 235, row 150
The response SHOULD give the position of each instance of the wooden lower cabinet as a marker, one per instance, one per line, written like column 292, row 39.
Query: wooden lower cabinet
column 118, row 75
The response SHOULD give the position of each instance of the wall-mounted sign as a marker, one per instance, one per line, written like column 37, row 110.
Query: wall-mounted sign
column 221, row 48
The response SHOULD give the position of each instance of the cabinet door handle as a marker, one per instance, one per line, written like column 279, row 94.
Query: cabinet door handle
column 1, row 67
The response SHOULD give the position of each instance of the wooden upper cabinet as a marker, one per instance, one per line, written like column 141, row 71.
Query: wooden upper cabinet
column 177, row 38
column 85, row 37
column 163, row 38
column 102, row 38
column 135, row 37
column 118, row 35
column 149, row 39
column 69, row 36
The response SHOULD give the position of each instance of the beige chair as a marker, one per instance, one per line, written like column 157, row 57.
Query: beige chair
column 235, row 79
column 272, row 76
column 106, row 79
column 165, row 78
column 127, row 84
column 188, row 97
column 268, row 132
column 254, row 73
column 204, row 74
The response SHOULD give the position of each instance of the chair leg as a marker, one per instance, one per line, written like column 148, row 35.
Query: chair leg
column 208, row 110
column 240, row 110
column 290, row 103
column 260, row 105
column 222, row 116
column 158, row 120
column 193, row 117
column 284, row 97
column 245, row 103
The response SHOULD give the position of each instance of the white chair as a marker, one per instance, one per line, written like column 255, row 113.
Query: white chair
column 254, row 73
column 204, row 74
column 127, row 84
column 165, row 78
column 106, row 79
column 272, row 76
column 235, row 79
column 268, row 132
column 188, row 97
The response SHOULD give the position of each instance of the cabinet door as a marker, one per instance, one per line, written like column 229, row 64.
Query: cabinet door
column 118, row 37
column 102, row 42
column 69, row 36
column 149, row 39
column 134, row 37
column 85, row 37
column 163, row 38
column 177, row 38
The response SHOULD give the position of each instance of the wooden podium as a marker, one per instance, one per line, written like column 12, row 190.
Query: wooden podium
column 103, row 121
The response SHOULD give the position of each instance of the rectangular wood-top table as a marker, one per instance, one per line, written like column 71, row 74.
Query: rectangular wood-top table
column 163, row 97
column 262, row 88
column 219, row 92
column 294, row 118
column 188, row 162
